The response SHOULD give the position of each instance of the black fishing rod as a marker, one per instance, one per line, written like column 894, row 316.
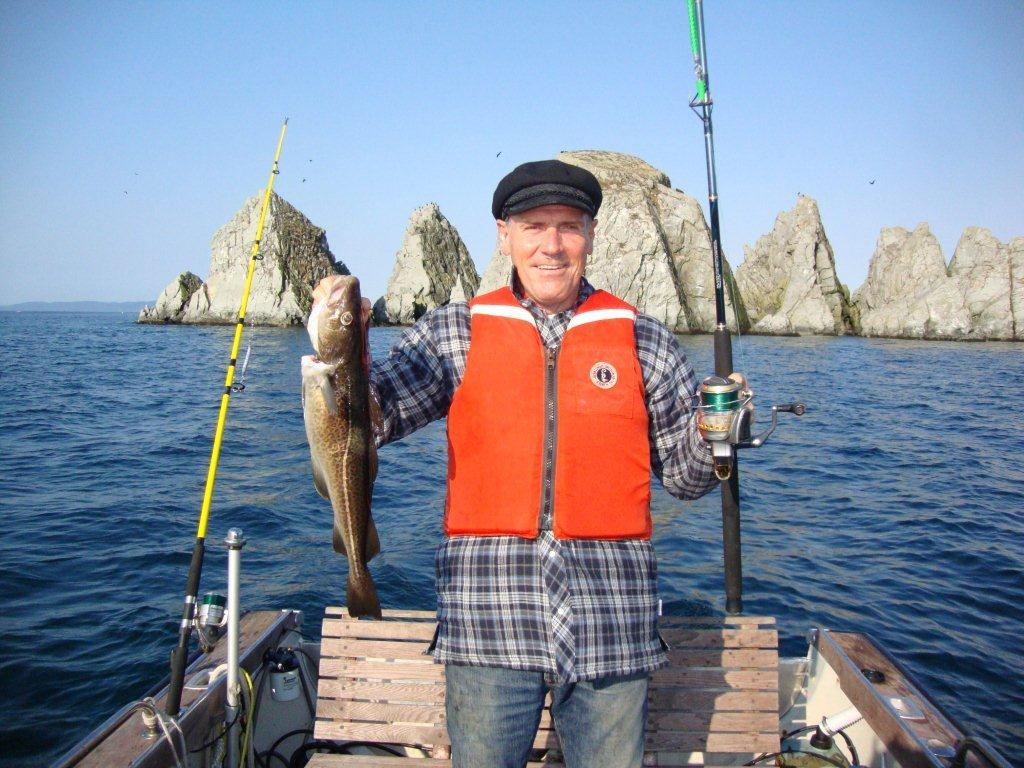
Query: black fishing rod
column 180, row 653
column 726, row 411
column 727, row 468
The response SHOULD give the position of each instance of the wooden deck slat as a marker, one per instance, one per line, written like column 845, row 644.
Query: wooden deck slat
column 684, row 700
column 683, row 741
column 336, row 647
column 660, row 698
column 340, row 612
column 739, row 657
column 715, row 621
column 381, row 733
column 743, row 743
column 756, row 679
column 384, row 630
column 679, row 637
column 378, row 691
column 381, row 670
column 375, row 761
column 434, row 714
column 382, row 761
column 377, row 712
column 714, row 722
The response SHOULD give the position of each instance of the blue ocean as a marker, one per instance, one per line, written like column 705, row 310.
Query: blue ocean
column 895, row 506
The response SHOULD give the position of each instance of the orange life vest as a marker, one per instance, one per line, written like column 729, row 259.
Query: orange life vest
column 530, row 426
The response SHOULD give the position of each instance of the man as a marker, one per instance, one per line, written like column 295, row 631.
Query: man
column 560, row 400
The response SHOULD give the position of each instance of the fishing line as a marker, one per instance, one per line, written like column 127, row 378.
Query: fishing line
column 239, row 386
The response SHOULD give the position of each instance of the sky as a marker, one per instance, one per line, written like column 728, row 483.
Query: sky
column 132, row 131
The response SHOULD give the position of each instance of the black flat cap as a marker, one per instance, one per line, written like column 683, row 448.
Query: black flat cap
column 546, row 182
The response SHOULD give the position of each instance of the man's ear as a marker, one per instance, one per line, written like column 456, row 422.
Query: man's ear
column 503, row 237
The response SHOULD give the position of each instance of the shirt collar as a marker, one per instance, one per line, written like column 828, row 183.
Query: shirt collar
column 586, row 291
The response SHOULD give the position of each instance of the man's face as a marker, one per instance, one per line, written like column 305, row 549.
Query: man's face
column 548, row 246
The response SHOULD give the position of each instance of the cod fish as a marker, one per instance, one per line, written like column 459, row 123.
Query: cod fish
column 336, row 409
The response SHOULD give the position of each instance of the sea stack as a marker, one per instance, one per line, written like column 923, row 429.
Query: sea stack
column 651, row 248
column 992, row 277
column 294, row 258
column 432, row 268
column 908, row 292
column 788, row 279
column 170, row 304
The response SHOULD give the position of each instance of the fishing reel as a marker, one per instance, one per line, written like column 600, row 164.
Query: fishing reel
column 725, row 415
column 210, row 620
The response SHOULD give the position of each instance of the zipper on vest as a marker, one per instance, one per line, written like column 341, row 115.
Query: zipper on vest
column 550, row 433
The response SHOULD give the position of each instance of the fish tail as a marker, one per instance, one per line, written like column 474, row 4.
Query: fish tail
column 362, row 595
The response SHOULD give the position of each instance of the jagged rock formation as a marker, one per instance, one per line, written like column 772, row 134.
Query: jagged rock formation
column 295, row 257
column 652, row 246
column 908, row 292
column 992, row 276
column 170, row 305
column 432, row 268
column 788, row 280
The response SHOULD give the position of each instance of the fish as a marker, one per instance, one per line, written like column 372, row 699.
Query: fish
column 339, row 413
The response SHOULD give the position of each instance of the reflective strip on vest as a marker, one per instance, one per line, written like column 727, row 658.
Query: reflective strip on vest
column 499, row 419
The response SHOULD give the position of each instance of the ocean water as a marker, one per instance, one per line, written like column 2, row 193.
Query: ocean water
column 895, row 506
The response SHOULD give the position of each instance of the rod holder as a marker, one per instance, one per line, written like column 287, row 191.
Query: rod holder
column 235, row 541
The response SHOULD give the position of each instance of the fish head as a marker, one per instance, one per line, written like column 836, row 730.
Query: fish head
column 335, row 324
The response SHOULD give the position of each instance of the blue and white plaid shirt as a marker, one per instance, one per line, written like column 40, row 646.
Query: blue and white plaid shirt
column 574, row 609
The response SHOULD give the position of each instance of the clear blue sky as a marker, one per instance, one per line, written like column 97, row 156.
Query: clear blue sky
column 393, row 105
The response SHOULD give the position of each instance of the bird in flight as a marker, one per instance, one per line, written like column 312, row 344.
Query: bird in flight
column 498, row 155
column 871, row 182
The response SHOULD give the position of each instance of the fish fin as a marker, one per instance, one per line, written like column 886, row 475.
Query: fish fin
column 319, row 479
column 330, row 399
column 376, row 415
column 362, row 595
column 339, row 541
column 372, row 540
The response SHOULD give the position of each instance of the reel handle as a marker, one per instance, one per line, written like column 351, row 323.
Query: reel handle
column 797, row 409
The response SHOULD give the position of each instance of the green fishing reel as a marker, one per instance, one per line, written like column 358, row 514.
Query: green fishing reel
column 725, row 415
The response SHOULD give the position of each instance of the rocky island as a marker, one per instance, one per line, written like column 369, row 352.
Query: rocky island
column 432, row 268
column 788, row 280
column 911, row 293
column 295, row 257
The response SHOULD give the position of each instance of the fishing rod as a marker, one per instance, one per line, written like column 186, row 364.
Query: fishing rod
column 726, row 411
column 730, row 483
column 180, row 653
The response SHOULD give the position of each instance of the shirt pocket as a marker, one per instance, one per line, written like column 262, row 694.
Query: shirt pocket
column 602, row 381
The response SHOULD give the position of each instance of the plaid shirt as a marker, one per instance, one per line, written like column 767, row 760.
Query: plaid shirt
column 575, row 609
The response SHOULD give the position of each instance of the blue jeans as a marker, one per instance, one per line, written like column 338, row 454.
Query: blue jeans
column 493, row 715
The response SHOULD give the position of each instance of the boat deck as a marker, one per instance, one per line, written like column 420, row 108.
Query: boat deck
column 716, row 704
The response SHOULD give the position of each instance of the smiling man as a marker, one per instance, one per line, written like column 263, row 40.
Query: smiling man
column 561, row 400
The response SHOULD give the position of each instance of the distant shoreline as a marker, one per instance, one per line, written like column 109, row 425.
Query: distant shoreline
column 74, row 306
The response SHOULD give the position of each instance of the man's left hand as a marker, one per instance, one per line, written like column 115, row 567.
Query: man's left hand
column 745, row 390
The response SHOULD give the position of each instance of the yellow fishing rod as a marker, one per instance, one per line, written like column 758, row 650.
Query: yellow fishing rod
column 180, row 653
